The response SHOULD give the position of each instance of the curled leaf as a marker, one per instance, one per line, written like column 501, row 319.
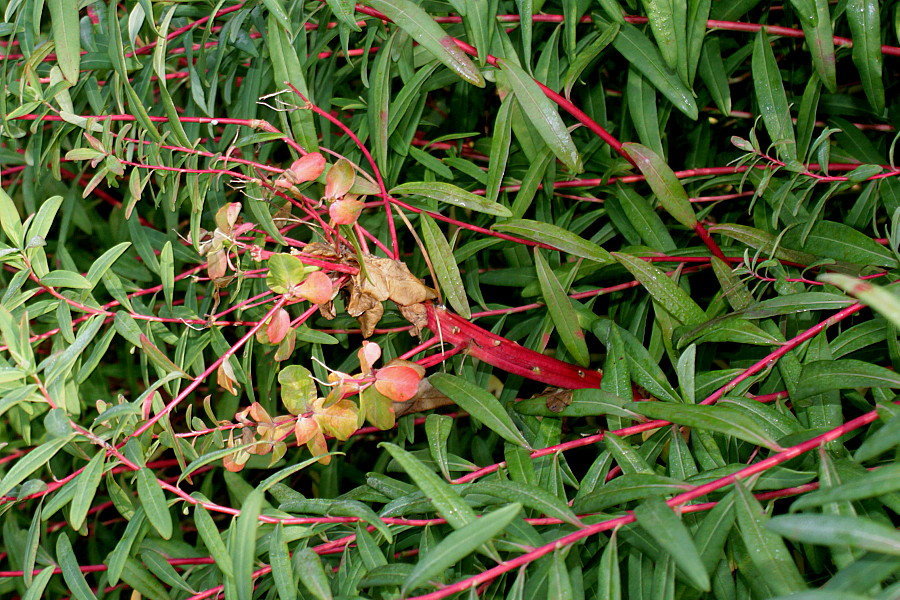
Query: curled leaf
column 305, row 168
column 340, row 179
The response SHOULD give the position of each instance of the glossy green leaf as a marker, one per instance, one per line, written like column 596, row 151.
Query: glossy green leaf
column 664, row 291
column 543, row 115
column 664, row 526
column 209, row 533
column 85, row 488
column 770, row 96
column 500, row 147
column 627, row 488
column 460, row 544
column 553, row 235
column 153, row 499
column 664, row 183
column 841, row 242
column 66, row 37
column 881, row 299
column 451, row 194
column 341, row 508
column 441, row 494
column 722, row 419
column 830, row 530
column 531, row 496
column 712, row 72
column 479, row 403
column 639, row 51
column 883, row 480
column 422, row 28
column 445, row 267
column 815, row 19
column 865, row 24
column 766, row 550
column 561, row 311
column 242, row 544
column 312, row 574
column 586, row 56
column 31, row 462
column 825, row 375
column 437, row 429
column 65, row 279
column 65, row 557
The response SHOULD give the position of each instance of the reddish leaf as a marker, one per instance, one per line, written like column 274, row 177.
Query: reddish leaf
column 225, row 377
column 304, row 429
column 346, row 210
column 368, row 356
column 398, row 382
column 339, row 179
column 316, row 288
column 306, row 168
column 278, row 326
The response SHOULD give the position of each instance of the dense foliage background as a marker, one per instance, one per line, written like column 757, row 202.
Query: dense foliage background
column 206, row 208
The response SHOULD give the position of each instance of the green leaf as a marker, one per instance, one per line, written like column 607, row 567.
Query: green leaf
column 721, row 419
column 10, row 221
column 298, row 389
column 209, row 533
column 66, row 37
column 36, row 589
column 530, row 496
column 104, row 262
column 242, row 545
column 590, row 52
column 826, row 375
column 340, row 508
column 451, row 194
column 663, row 290
column 479, row 403
column 312, row 574
column 437, row 430
column 609, row 577
column 553, row 235
column 288, row 69
column 445, row 268
column 500, row 147
column 640, row 52
column 815, row 19
column 543, row 115
column 422, row 28
column 767, row 550
column 285, row 271
column 664, row 183
column 664, row 526
column 85, row 489
column 154, row 502
column 712, row 72
column 645, row 371
column 770, row 96
column 841, row 242
column 441, row 494
column 31, row 462
column 838, row 530
column 75, row 580
column 561, row 311
column 588, row 402
column 883, row 480
column 460, row 544
column 116, row 559
column 66, row 279
column 865, row 26
column 627, row 488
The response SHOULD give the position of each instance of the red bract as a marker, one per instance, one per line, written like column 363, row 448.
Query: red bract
column 399, row 382
column 346, row 211
column 316, row 288
column 307, row 168
column 278, row 326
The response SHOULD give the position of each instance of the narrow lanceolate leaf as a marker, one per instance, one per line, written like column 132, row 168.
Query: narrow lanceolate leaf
column 825, row 375
column 721, row 419
column 30, row 463
column 451, row 194
column 85, row 488
column 531, row 496
column 460, row 544
column 645, row 56
column 154, row 502
column 499, row 150
column 771, row 98
column 561, row 311
column 588, row 54
column 609, row 581
column 312, row 574
column 75, row 580
column 422, row 28
column 479, row 403
column 712, row 72
column 884, row 480
column 865, row 25
column 209, row 533
column 664, row 184
column 881, row 299
column 664, row 526
column 66, row 37
column 664, row 291
column 766, row 549
column 815, row 19
column 543, row 114
column 446, row 501
column 445, row 268
column 553, row 235
column 662, row 24
column 36, row 589
column 838, row 530
column 243, row 544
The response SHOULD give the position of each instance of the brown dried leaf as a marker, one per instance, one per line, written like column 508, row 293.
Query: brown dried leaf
column 416, row 314
column 225, row 377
